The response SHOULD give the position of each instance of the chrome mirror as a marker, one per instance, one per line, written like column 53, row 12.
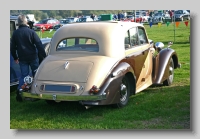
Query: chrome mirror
column 170, row 44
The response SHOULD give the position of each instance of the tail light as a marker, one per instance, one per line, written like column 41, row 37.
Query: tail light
column 94, row 89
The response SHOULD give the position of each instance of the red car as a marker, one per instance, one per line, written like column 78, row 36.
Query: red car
column 131, row 18
column 46, row 24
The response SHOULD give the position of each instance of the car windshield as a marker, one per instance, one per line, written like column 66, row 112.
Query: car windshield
column 72, row 19
column 43, row 21
column 179, row 12
column 129, row 16
column 78, row 44
column 158, row 14
column 65, row 21
column 82, row 19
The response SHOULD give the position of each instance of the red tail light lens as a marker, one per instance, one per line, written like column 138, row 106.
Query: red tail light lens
column 73, row 89
column 94, row 89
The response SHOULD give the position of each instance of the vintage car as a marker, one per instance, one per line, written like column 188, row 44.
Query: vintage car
column 157, row 18
column 181, row 15
column 100, row 63
column 15, row 72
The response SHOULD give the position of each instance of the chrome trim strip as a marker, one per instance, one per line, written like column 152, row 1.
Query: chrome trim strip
column 63, row 97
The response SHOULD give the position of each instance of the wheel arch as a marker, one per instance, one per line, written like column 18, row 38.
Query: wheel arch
column 132, row 80
column 161, row 62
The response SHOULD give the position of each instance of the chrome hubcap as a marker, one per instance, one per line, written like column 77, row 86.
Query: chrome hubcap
column 123, row 92
column 171, row 71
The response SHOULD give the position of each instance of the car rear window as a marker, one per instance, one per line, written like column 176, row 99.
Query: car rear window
column 78, row 44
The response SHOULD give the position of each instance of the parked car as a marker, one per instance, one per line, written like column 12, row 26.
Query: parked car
column 157, row 18
column 15, row 72
column 145, row 16
column 72, row 19
column 101, row 63
column 181, row 15
column 46, row 24
column 62, row 23
column 131, row 18
column 85, row 19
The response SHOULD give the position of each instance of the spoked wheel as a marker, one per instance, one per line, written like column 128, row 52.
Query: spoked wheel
column 170, row 79
column 124, row 92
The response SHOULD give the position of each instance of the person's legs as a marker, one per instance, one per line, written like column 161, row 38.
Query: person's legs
column 34, row 66
column 24, row 66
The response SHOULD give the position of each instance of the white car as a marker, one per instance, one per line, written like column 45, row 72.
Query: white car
column 145, row 17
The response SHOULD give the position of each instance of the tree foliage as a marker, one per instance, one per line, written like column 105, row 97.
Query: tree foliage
column 58, row 14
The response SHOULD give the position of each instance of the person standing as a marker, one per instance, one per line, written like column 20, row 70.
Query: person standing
column 92, row 16
column 25, row 46
column 171, row 15
column 115, row 17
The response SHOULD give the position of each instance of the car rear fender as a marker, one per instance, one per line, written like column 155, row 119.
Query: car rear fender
column 161, row 63
column 111, row 85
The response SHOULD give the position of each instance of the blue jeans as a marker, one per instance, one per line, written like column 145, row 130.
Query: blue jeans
column 24, row 66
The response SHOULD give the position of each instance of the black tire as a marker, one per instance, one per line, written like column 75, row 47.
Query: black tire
column 52, row 102
column 170, row 79
column 124, row 92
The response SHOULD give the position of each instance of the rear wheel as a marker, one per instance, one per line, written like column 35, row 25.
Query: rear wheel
column 169, row 80
column 124, row 92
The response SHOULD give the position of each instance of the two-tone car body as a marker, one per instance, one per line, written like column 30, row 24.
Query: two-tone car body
column 101, row 63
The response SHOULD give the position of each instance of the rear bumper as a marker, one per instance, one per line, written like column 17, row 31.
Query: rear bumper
column 63, row 97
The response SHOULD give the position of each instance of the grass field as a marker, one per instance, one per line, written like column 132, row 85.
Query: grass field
column 154, row 108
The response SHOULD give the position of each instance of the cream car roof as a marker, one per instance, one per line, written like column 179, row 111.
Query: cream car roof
column 106, row 33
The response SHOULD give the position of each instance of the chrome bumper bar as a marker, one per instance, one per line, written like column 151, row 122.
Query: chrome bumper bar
column 63, row 97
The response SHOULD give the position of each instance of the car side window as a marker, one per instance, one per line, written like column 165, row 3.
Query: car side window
column 142, row 36
column 12, row 28
column 127, row 40
column 133, row 37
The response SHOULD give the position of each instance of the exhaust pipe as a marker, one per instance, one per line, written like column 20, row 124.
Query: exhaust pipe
column 87, row 107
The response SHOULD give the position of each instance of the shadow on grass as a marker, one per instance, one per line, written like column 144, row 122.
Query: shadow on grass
column 76, row 108
column 156, row 102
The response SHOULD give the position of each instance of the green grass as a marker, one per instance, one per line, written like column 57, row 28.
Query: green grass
column 154, row 108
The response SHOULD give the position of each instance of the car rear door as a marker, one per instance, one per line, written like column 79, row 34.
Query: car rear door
column 146, row 73
column 135, row 56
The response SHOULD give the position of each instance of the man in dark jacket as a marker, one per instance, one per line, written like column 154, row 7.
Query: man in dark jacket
column 25, row 46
